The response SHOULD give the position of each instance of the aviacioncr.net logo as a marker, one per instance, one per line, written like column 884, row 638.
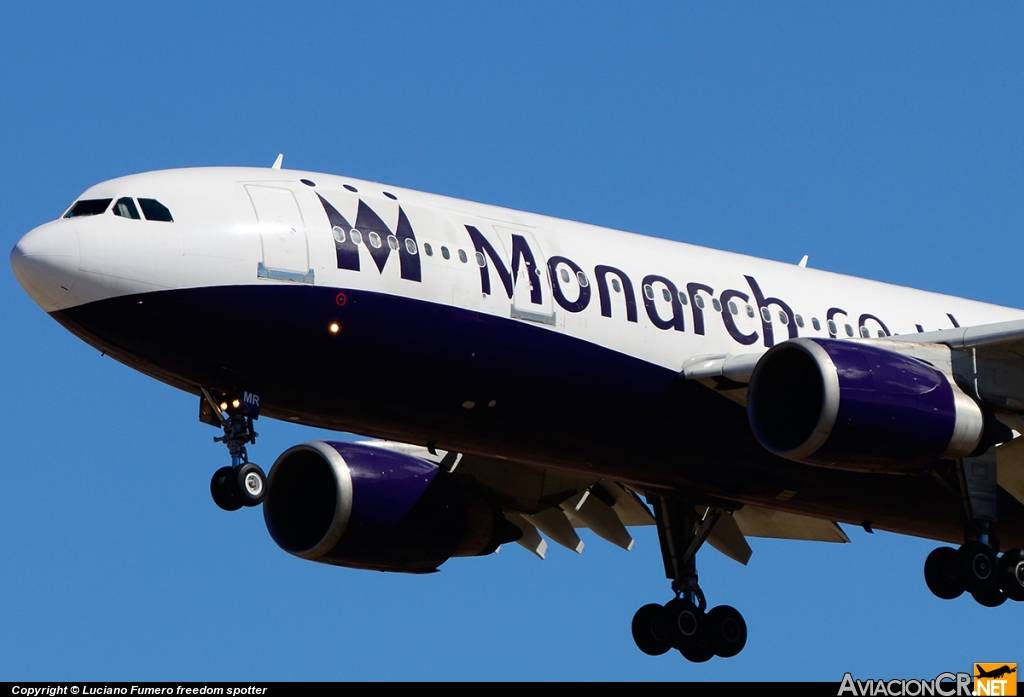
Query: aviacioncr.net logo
column 995, row 679
column 943, row 685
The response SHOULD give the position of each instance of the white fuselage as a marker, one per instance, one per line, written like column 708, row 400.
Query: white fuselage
column 217, row 238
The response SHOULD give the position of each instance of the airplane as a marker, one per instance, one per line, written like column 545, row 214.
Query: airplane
column 521, row 377
column 995, row 673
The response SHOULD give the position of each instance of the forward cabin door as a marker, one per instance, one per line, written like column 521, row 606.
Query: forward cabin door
column 531, row 297
column 282, row 234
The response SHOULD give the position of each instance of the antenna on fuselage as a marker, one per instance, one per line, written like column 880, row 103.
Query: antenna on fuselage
column 802, row 264
column 278, row 161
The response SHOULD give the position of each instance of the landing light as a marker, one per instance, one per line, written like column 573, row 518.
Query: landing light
column 236, row 404
column 223, row 406
column 335, row 328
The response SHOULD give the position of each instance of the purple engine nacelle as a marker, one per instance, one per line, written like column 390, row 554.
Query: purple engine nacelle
column 852, row 405
column 370, row 508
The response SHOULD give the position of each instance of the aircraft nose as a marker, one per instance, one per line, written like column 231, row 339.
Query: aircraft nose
column 45, row 262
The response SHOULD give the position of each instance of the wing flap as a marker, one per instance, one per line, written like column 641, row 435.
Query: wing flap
column 555, row 525
column 755, row 521
column 531, row 539
column 599, row 517
column 728, row 539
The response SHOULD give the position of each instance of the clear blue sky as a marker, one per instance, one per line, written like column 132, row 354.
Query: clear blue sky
column 884, row 140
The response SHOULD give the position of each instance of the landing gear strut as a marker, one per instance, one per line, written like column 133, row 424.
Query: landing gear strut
column 684, row 623
column 976, row 566
column 243, row 483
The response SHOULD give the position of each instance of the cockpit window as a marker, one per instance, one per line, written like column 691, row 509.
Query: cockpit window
column 154, row 210
column 125, row 207
column 88, row 206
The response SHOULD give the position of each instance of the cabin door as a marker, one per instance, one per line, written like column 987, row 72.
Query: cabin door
column 531, row 296
column 282, row 234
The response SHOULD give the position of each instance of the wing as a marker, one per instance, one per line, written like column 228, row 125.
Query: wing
column 554, row 504
column 989, row 359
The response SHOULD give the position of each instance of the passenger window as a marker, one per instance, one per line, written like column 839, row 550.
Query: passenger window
column 717, row 304
column 750, row 311
column 91, row 206
column 766, row 315
column 357, row 237
column 565, row 276
column 582, row 278
column 616, row 286
column 339, row 234
column 374, row 239
column 698, row 300
column 816, row 324
column 833, row 328
column 428, row 249
column 799, row 321
column 462, row 256
column 649, row 291
column 849, row 330
column 733, row 309
column 481, row 260
column 665, row 294
column 154, row 210
column 410, row 245
column 783, row 317
column 445, row 253
column 393, row 243
column 683, row 299
column 865, row 332
column 125, row 208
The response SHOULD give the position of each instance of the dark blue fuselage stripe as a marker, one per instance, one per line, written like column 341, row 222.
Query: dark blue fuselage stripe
column 407, row 369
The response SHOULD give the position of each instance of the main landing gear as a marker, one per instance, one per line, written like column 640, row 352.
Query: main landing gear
column 976, row 566
column 685, row 623
column 976, row 569
column 243, row 483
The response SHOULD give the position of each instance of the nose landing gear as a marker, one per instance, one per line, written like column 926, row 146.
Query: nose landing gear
column 243, row 483
column 684, row 623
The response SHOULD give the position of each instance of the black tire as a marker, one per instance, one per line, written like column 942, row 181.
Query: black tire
column 643, row 630
column 685, row 624
column 250, row 484
column 1011, row 574
column 223, row 489
column 661, row 628
column 990, row 597
column 726, row 630
column 699, row 652
column 942, row 573
column 978, row 565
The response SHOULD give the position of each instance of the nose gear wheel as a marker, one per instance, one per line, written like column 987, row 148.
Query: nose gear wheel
column 243, row 484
